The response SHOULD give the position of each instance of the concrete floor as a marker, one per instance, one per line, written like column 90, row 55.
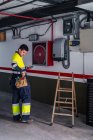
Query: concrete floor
column 40, row 128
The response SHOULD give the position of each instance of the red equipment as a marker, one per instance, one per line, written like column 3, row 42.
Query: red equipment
column 42, row 53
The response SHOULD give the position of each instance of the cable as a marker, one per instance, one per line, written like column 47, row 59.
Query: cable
column 45, row 31
column 24, row 37
column 66, row 61
column 83, row 19
column 20, row 1
column 37, row 25
column 39, row 34
column 9, row 8
column 5, row 2
column 18, row 5
column 33, row 26
column 32, row 3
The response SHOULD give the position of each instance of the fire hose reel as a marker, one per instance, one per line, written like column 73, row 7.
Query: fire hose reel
column 42, row 53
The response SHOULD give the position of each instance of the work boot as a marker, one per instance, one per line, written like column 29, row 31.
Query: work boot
column 17, row 119
column 24, row 121
column 27, row 121
column 30, row 118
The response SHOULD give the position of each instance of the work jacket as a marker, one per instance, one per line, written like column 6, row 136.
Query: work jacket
column 18, row 63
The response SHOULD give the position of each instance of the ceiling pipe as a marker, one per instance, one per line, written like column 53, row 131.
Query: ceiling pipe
column 32, row 18
column 19, row 16
column 43, row 12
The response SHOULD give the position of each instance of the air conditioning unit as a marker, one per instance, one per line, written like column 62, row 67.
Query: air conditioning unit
column 42, row 53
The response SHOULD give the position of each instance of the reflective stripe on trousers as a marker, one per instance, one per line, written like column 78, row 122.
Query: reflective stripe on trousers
column 24, row 94
column 15, row 109
column 26, row 108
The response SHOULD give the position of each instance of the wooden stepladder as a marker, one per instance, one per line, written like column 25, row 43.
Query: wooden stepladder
column 65, row 98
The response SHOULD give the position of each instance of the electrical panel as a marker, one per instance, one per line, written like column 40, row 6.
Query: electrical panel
column 59, row 49
column 68, row 28
column 42, row 53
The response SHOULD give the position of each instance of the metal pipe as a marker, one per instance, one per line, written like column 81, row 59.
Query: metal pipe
column 52, row 31
column 19, row 16
column 32, row 18
column 26, row 17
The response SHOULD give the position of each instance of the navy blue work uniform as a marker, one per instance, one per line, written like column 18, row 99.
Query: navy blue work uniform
column 22, row 93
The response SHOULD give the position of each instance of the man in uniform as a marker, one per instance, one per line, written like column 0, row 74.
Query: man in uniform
column 22, row 93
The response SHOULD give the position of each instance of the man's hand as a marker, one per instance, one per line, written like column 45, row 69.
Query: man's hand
column 29, row 67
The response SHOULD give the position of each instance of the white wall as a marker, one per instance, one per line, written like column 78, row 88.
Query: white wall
column 79, row 63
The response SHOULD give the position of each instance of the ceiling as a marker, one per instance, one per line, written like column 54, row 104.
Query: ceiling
column 86, row 6
column 19, row 6
column 12, row 11
column 31, row 8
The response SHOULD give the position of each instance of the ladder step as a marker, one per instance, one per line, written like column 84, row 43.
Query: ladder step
column 65, row 107
column 62, row 114
column 63, row 102
column 64, row 98
column 64, row 90
column 66, row 79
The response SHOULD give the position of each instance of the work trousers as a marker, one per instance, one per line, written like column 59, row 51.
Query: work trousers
column 22, row 94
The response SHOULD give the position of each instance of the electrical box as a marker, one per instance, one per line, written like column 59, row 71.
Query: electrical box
column 2, row 36
column 86, row 40
column 42, row 53
column 33, row 37
column 16, row 34
column 59, row 49
column 68, row 26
